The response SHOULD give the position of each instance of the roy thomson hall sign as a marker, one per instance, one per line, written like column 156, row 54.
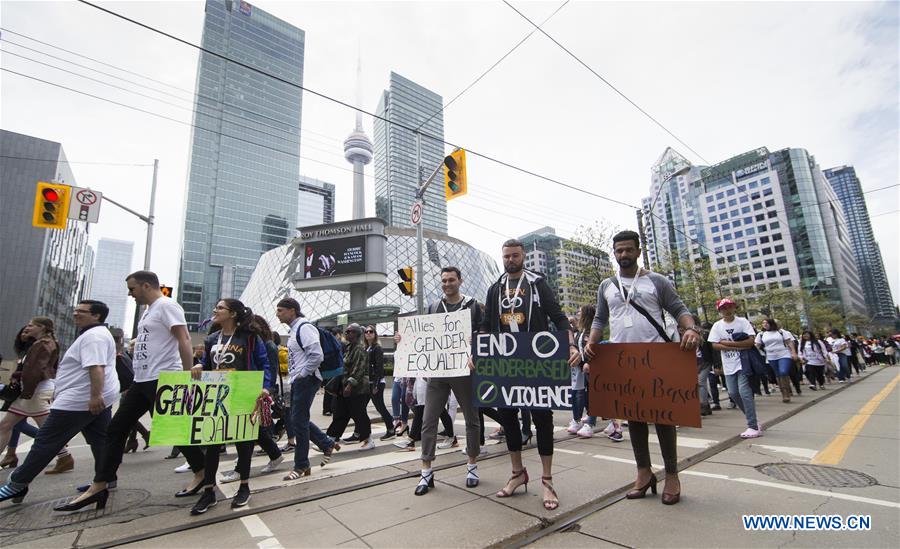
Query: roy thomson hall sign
column 338, row 255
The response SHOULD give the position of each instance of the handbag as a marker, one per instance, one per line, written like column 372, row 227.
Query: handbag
column 279, row 408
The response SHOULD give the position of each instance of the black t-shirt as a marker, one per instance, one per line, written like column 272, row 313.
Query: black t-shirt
column 231, row 354
column 514, row 305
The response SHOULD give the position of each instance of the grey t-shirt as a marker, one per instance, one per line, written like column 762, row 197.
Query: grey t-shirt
column 651, row 291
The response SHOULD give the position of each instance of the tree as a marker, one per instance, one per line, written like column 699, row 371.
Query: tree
column 582, row 281
column 696, row 281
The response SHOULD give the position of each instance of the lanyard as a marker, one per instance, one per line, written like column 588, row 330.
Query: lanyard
column 627, row 299
column 515, row 300
column 220, row 352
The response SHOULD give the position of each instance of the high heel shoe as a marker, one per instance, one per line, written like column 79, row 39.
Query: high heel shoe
column 131, row 445
column 403, row 429
column 515, row 474
column 642, row 491
column 99, row 498
column 9, row 461
column 550, row 504
column 187, row 492
column 425, row 482
column 671, row 499
column 147, row 440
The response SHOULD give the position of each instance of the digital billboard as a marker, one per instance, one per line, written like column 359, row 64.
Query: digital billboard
column 336, row 257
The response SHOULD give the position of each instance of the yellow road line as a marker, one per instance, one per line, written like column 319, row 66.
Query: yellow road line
column 834, row 452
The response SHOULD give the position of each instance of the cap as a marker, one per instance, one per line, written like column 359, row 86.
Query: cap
column 725, row 303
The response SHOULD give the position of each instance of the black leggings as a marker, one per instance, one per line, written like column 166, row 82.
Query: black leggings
column 543, row 423
column 640, row 434
column 378, row 401
column 211, row 461
column 346, row 408
column 491, row 413
column 815, row 374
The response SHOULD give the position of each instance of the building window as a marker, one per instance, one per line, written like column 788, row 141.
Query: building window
column 738, row 234
column 745, row 209
column 776, row 236
column 786, row 284
column 770, row 274
column 720, row 196
column 764, row 181
column 732, row 202
column 713, row 218
column 779, row 248
column 767, row 192
column 751, row 242
column 715, row 229
column 742, row 255
column 747, row 278
column 757, row 206
column 740, row 245
column 769, row 262
column 783, row 272
column 767, row 251
column 764, row 239
column 716, row 240
column 711, row 209
column 772, row 214
column 774, row 225
column 756, row 265
column 769, row 203
column 782, row 260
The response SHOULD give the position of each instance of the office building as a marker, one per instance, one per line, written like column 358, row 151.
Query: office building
column 42, row 269
column 566, row 265
column 866, row 251
column 763, row 219
column 315, row 202
column 113, row 264
column 408, row 105
column 244, row 163
column 87, row 278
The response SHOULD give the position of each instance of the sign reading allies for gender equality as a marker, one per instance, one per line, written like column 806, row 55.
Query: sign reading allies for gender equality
column 433, row 345
column 522, row 370
column 648, row 382
column 217, row 409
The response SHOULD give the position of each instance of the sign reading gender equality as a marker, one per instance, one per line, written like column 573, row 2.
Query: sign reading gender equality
column 647, row 382
column 433, row 345
column 214, row 410
column 527, row 370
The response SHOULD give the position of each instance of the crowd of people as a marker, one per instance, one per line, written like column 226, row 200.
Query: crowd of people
column 71, row 392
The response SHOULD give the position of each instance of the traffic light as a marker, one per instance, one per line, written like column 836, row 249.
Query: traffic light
column 166, row 290
column 406, row 275
column 455, row 174
column 51, row 205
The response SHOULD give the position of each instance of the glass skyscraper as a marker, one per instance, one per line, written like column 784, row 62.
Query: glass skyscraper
column 244, row 164
column 113, row 264
column 874, row 281
column 408, row 104
column 315, row 202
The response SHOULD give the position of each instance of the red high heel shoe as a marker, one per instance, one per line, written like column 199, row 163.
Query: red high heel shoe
column 515, row 474
column 642, row 491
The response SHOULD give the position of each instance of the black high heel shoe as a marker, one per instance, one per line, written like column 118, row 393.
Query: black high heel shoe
column 526, row 440
column 196, row 489
column 642, row 491
column 99, row 498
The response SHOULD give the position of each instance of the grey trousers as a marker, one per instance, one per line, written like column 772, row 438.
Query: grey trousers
column 437, row 392
column 703, row 380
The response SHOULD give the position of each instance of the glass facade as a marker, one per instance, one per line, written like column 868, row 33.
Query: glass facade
column 271, row 280
column 396, row 180
column 315, row 202
column 866, row 251
column 244, row 164
column 112, row 266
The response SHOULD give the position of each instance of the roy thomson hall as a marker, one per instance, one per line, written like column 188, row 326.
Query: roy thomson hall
column 347, row 272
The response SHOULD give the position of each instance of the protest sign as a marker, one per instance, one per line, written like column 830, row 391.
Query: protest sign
column 213, row 410
column 527, row 370
column 647, row 382
column 433, row 345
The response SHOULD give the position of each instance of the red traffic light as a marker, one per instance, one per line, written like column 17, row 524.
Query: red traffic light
column 50, row 195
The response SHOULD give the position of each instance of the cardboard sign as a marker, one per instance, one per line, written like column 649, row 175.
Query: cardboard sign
column 522, row 370
column 433, row 345
column 214, row 410
column 647, row 382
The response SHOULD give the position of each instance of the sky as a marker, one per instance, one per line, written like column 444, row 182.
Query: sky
column 725, row 77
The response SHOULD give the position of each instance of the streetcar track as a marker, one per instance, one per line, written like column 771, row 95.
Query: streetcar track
column 526, row 537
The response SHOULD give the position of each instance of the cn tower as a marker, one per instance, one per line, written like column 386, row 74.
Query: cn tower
column 358, row 151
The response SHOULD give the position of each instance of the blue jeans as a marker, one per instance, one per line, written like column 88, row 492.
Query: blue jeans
column 580, row 406
column 22, row 427
column 741, row 394
column 303, row 391
column 58, row 429
column 398, row 401
column 781, row 366
column 844, row 370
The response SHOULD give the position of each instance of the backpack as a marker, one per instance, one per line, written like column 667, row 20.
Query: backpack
column 333, row 356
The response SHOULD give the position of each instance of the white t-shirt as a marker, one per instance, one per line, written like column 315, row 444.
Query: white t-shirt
column 94, row 347
column 837, row 343
column 721, row 331
column 156, row 349
column 815, row 354
column 774, row 342
column 640, row 331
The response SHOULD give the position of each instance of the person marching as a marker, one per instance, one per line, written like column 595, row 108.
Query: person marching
column 780, row 349
column 86, row 389
column 632, row 304
column 733, row 335
column 522, row 301
column 437, row 391
column 163, row 344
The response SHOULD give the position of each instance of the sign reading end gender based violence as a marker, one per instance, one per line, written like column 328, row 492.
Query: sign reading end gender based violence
column 647, row 382
column 433, row 345
column 214, row 410
column 522, row 370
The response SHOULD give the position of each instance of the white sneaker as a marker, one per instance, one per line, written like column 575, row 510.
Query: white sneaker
column 272, row 465
column 586, row 431
column 231, row 476
column 482, row 451
column 751, row 433
column 184, row 468
column 369, row 444
column 403, row 443
column 449, row 443
column 610, row 428
column 573, row 427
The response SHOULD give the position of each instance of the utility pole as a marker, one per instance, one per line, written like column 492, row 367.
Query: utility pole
column 420, row 197
column 640, row 221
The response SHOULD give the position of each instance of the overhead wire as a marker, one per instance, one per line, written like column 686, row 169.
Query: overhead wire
column 124, row 164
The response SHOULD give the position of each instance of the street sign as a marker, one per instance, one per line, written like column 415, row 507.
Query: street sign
column 416, row 215
column 85, row 205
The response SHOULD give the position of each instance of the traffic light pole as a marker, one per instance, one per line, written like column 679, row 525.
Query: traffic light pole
column 420, row 231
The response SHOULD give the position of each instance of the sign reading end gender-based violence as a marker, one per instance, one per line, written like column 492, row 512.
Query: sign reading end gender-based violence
column 217, row 409
column 522, row 370
column 433, row 345
column 648, row 382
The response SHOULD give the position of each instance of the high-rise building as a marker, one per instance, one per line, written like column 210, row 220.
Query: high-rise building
column 762, row 219
column 406, row 104
column 245, row 146
column 42, row 269
column 112, row 265
column 866, row 251
column 87, row 278
column 315, row 202
column 563, row 262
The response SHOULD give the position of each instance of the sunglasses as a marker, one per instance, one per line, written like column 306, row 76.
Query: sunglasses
column 370, row 331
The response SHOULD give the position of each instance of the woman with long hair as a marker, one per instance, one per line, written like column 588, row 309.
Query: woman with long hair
column 21, row 344
column 234, row 346
column 813, row 354
column 781, row 352
column 35, row 374
column 376, row 379
column 582, row 423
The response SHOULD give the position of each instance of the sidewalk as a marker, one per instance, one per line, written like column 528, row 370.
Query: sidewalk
column 366, row 498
